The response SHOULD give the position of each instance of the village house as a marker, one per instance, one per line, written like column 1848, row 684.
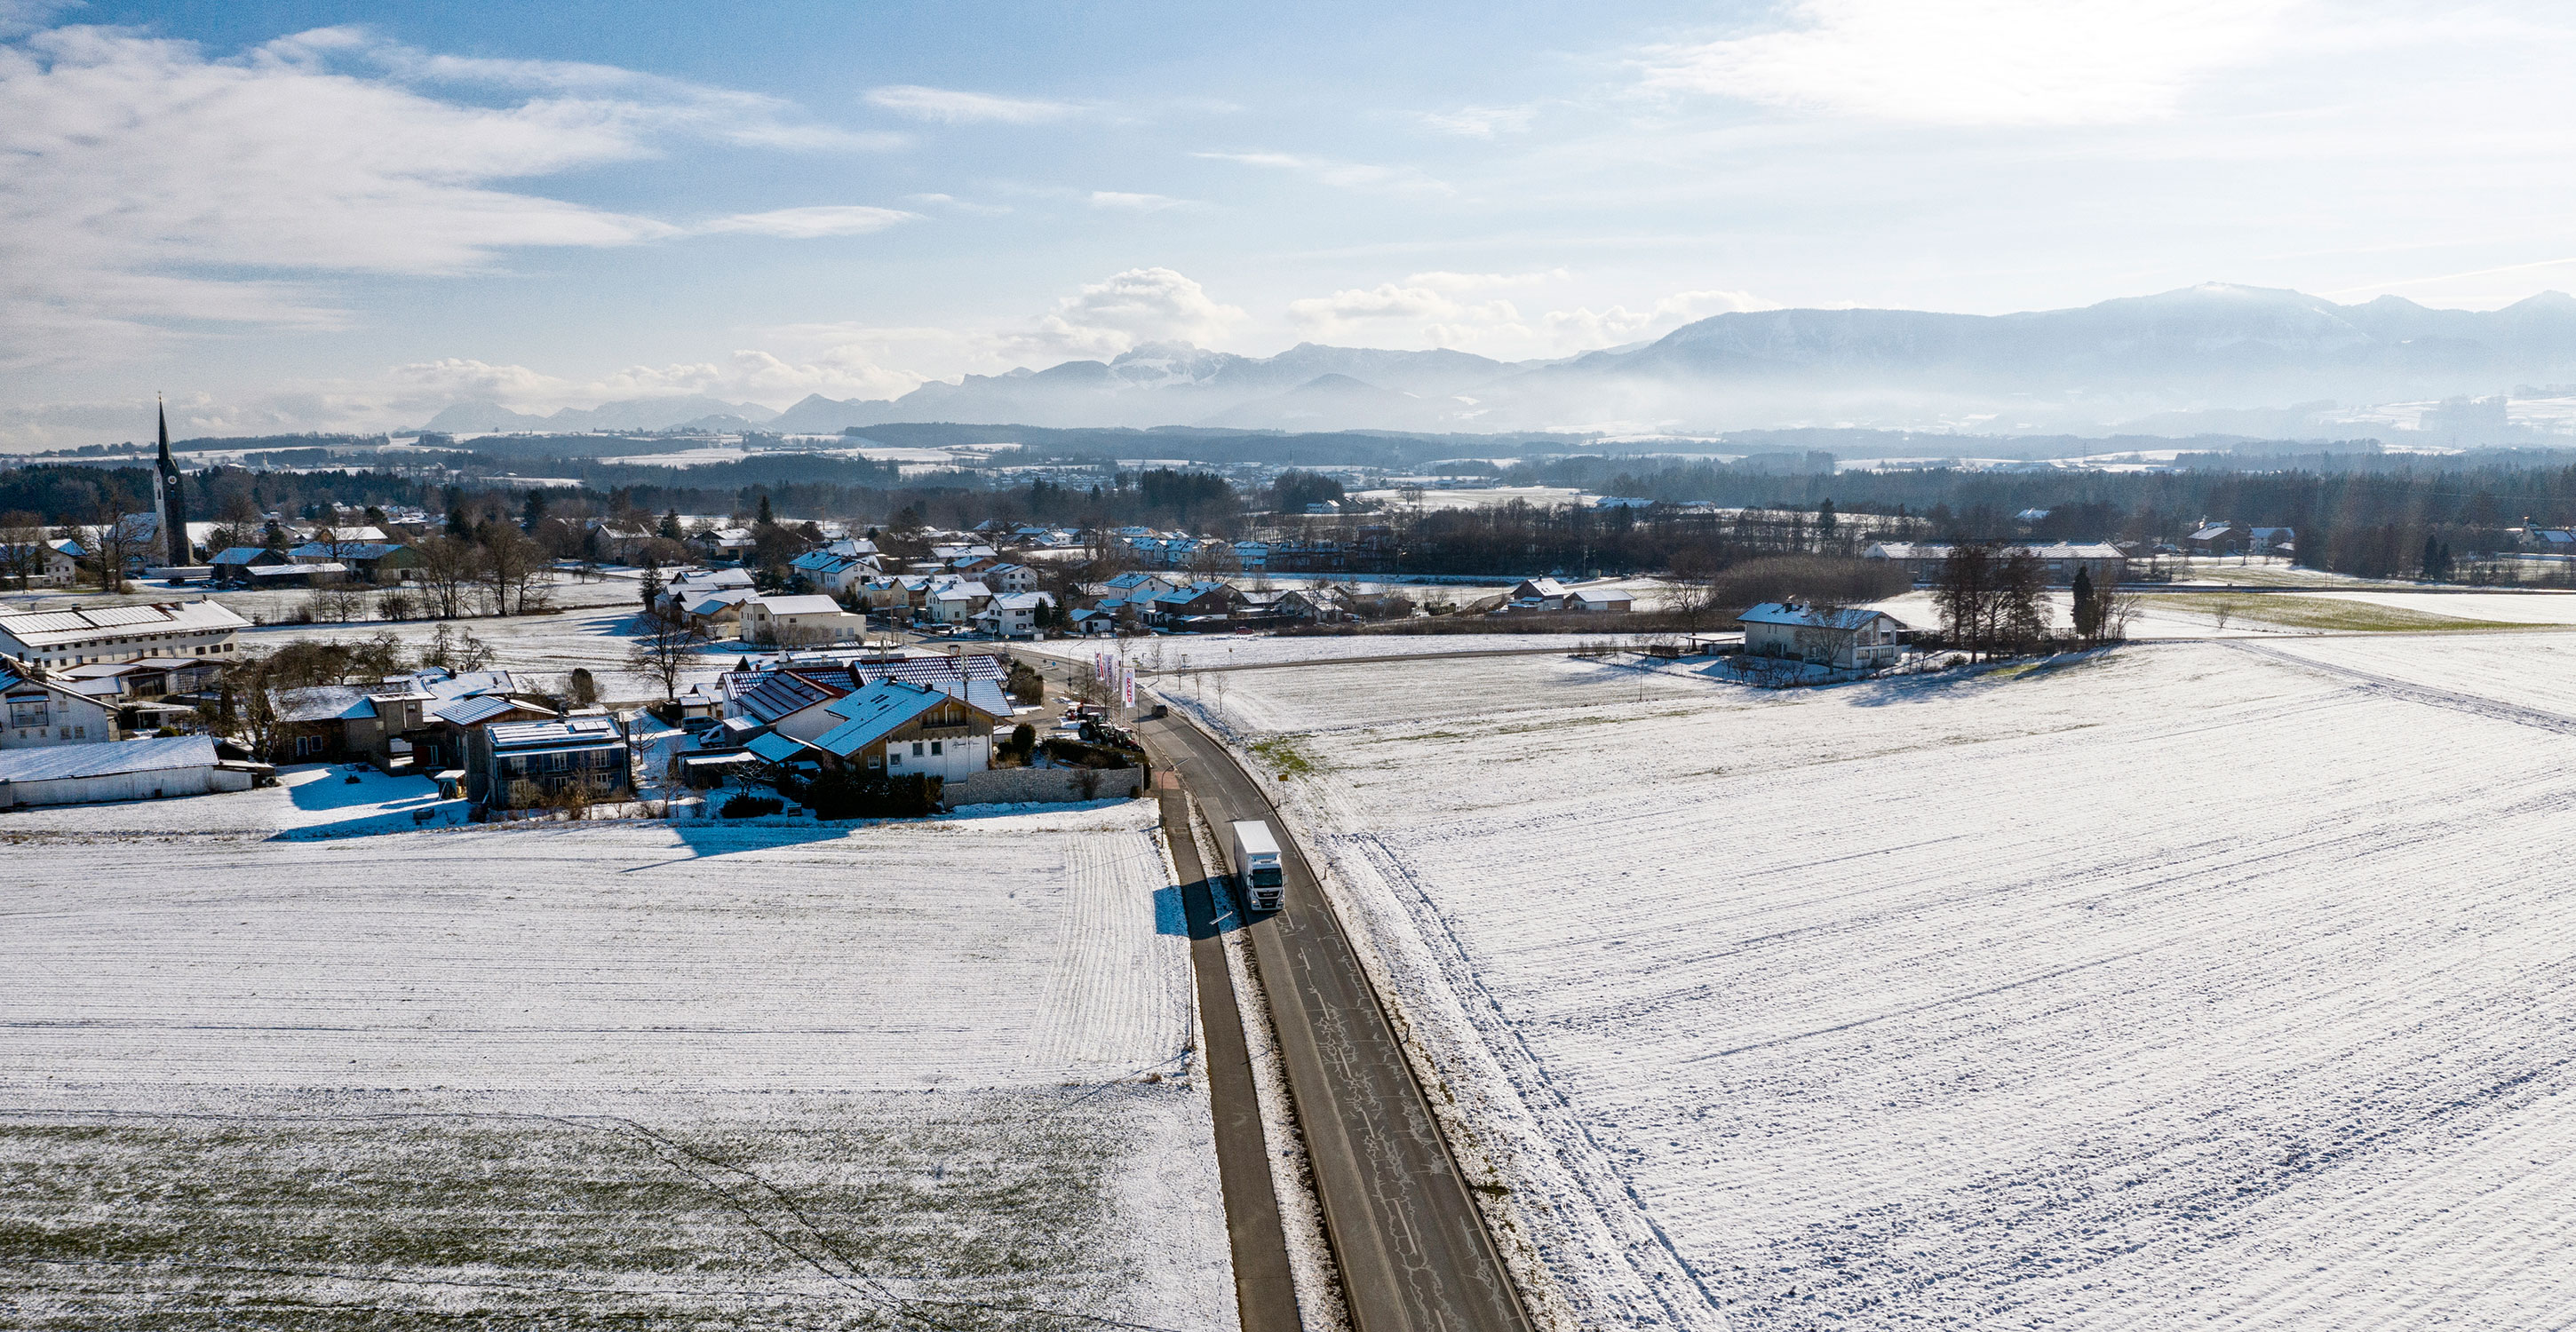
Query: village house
column 787, row 701
column 59, row 563
column 232, row 565
column 958, row 603
column 365, row 561
column 41, row 712
column 799, row 621
column 899, row 729
column 725, row 543
column 1014, row 614
column 1204, row 604
column 1009, row 579
column 523, row 764
column 1843, row 637
column 830, row 574
column 55, row 638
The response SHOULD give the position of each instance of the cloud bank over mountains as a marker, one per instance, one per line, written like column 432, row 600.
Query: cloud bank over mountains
column 2162, row 363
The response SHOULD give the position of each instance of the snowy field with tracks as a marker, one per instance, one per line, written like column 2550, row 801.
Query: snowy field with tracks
column 2190, row 984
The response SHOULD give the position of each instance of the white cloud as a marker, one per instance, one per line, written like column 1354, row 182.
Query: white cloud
column 150, row 186
column 1139, row 305
column 1585, row 329
column 1442, row 319
column 953, row 107
column 810, row 223
column 2060, row 62
column 1122, row 201
column 950, row 201
column 1342, row 175
column 1481, row 122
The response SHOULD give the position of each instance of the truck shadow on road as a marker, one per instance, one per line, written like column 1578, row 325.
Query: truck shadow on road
column 1203, row 909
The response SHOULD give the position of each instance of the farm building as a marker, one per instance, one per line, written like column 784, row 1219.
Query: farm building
column 179, row 765
column 119, row 633
column 1844, row 637
column 1923, row 560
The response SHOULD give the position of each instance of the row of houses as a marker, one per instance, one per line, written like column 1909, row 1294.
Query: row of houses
column 482, row 734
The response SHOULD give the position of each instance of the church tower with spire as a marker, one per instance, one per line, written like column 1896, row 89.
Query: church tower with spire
column 169, row 507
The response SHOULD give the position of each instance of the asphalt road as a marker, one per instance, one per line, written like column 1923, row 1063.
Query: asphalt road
column 1412, row 1248
column 1264, row 1289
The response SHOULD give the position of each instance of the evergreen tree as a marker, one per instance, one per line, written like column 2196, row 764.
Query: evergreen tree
column 670, row 528
column 765, row 519
column 2088, row 614
column 651, row 588
column 533, row 511
column 1826, row 518
column 456, row 524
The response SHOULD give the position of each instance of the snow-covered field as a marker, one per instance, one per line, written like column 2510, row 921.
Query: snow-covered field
column 641, row 1073
column 1194, row 651
column 2189, row 984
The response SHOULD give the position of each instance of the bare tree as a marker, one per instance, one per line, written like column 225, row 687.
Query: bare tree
column 112, row 544
column 449, row 569
column 336, row 598
column 516, row 578
column 22, row 547
column 662, row 651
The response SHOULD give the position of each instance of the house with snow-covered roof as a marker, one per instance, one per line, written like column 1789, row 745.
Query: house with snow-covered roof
column 896, row 728
column 35, row 711
column 799, row 621
column 1014, row 614
column 1844, row 637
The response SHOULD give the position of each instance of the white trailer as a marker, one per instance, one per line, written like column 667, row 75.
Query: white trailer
column 1257, row 868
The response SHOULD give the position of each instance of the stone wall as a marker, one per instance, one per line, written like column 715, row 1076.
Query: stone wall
column 1013, row 786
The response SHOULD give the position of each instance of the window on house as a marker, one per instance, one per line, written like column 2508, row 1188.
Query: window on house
column 934, row 747
column 916, row 749
column 29, row 714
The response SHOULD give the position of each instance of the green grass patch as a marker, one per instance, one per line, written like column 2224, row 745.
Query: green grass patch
column 2296, row 612
column 1281, row 755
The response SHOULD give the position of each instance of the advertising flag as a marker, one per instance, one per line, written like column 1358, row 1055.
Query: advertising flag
column 1127, row 684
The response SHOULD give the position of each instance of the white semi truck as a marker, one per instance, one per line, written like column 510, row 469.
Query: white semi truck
column 1256, row 863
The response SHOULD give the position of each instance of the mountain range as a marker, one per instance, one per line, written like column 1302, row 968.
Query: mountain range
column 2153, row 363
column 702, row 413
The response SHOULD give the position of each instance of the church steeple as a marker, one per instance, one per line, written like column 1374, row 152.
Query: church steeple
column 169, row 507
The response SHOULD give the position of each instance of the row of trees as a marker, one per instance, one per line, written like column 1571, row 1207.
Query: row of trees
column 1994, row 599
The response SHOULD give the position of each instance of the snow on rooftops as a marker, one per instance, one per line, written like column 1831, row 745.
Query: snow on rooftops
column 775, row 694
column 1810, row 616
column 52, row 762
column 875, row 712
column 564, row 733
column 775, row 748
column 317, row 703
column 45, row 628
column 800, row 605
column 479, row 708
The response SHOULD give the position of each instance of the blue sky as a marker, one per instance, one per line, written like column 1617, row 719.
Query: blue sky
column 317, row 216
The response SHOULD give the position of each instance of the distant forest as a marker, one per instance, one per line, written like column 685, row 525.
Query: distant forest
column 2386, row 519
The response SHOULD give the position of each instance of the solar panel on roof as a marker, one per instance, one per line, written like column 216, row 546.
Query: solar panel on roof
column 119, row 616
column 45, row 622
